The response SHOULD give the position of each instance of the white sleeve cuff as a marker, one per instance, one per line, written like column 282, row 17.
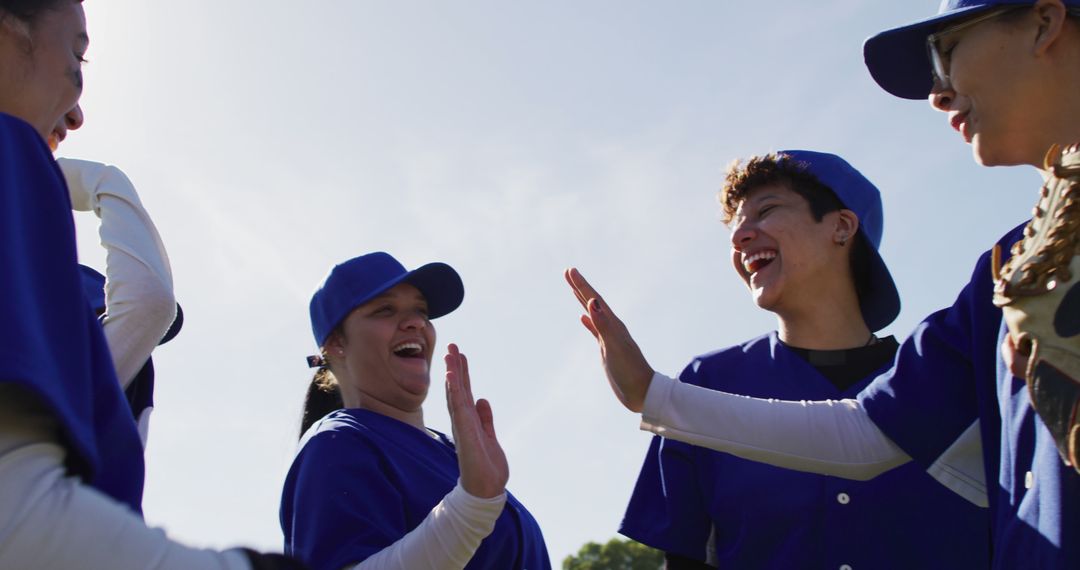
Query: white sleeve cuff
column 446, row 539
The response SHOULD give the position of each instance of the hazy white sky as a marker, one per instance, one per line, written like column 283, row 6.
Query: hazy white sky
column 271, row 139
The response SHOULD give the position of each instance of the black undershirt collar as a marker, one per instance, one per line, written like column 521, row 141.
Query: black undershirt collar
column 846, row 367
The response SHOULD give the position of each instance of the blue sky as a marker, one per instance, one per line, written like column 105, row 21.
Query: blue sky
column 272, row 139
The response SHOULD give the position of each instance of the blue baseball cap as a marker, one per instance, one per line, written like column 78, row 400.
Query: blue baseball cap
column 897, row 58
column 879, row 301
column 94, row 288
column 360, row 279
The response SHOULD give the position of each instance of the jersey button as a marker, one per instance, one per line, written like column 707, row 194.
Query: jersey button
column 845, row 567
column 843, row 499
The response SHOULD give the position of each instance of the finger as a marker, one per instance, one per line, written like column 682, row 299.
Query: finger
column 598, row 315
column 453, row 388
column 581, row 284
column 487, row 418
column 581, row 299
column 585, row 320
column 454, row 391
column 466, row 382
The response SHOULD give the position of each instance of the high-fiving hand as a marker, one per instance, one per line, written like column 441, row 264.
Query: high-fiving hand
column 627, row 370
column 484, row 471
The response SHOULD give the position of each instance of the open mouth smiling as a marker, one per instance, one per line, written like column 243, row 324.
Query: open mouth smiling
column 756, row 261
column 409, row 349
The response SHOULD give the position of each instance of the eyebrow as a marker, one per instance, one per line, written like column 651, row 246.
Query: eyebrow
column 386, row 294
column 762, row 197
column 756, row 199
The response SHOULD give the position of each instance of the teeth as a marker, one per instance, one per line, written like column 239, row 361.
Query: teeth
column 747, row 262
column 408, row 348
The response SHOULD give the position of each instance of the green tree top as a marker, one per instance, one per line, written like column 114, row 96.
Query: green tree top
column 617, row 554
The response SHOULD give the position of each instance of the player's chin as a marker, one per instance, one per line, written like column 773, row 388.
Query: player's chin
column 986, row 152
column 765, row 298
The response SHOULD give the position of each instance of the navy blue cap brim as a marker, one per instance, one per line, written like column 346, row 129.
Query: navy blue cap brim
column 898, row 60
column 174, row 328
column 880, row 301
column 441, row 286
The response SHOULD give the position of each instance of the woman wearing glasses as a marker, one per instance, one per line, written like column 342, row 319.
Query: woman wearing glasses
column 1008, row 76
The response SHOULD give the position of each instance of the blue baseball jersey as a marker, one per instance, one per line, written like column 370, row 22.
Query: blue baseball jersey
column 362, row 480
column 140, row 392
column 51, row 343
column 949, row 374
column 711, row 506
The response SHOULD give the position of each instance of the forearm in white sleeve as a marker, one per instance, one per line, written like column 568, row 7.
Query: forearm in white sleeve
column 446, row 539
column 139, row 299
column 50, row 521
column 832, row 437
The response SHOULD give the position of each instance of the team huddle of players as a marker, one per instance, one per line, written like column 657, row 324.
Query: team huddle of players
column 816, row 445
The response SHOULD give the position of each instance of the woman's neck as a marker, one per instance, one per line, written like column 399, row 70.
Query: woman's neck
column 825, row 326
column 356, row 399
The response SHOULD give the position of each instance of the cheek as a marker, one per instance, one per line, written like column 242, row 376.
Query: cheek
column 429, row 335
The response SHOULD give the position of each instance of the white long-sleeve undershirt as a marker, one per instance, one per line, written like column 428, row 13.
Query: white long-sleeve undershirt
column 446, row 539
column 51, row 521
column 140, row 305
column 829, row 437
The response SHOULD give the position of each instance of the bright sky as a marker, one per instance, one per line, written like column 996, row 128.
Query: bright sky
column 271, row 139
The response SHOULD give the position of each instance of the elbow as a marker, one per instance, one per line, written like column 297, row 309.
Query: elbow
column 155, row 306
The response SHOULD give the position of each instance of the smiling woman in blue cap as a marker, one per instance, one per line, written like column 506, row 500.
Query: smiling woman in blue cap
column 955, row 401
column 805, row 231
column 371, row 486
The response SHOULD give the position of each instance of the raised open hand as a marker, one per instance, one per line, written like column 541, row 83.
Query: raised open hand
column 481, row 460
column 628, row 373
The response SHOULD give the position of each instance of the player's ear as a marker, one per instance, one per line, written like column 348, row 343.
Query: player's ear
column 335, row 345
column 1050, row 16
column 845, row 223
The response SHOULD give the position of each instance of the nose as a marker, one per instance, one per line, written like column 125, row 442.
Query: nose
column 415, row 320
column 941, row 98
column 74, row 118
column 742, row 234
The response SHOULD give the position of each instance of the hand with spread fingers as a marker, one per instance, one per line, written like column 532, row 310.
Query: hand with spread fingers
column 627, row 370
column 484, row 470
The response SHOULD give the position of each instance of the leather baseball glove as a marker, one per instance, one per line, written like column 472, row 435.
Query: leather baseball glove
column 1038, row 294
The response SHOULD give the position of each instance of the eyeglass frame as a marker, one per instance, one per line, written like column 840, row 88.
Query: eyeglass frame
column 937, row 62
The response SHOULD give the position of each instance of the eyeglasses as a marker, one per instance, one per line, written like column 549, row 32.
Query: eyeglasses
column 939, row 60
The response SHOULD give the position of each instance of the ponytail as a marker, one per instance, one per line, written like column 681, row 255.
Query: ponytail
column 323, row 396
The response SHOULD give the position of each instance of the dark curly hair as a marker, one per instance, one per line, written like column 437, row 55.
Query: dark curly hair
column 780, row 169
column 790, row 173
